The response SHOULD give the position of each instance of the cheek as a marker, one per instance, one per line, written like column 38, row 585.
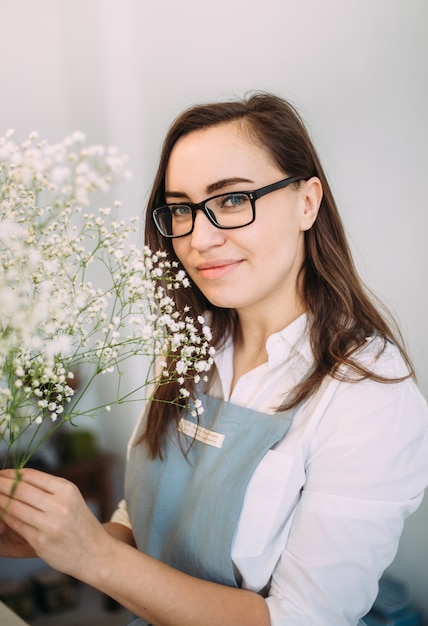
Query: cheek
column 282, row 246
column 180, row 250
column 176, row 248
column 277, row 234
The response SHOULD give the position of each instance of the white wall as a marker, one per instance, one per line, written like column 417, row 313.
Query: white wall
column 356, row 69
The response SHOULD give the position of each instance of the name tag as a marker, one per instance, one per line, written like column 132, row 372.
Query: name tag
column 200, row 433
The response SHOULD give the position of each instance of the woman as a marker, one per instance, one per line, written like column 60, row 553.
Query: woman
column 286, row 502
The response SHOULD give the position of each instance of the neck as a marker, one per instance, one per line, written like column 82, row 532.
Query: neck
column 250, row 339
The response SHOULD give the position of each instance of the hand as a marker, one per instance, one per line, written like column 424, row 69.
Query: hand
column 48, row 517
column 13, row 545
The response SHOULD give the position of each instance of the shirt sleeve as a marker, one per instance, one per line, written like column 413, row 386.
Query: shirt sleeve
column 366, row 470
column 120, row 515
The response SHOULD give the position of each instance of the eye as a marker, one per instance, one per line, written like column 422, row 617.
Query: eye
column 180, row 210
column 233, row 200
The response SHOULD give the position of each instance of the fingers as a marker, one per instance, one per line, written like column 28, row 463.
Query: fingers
column 37, row 501
column 51, row 517
column 15, row 514
column 42, row 509
column 36, row 489
column 18, row 496
column 41, row 480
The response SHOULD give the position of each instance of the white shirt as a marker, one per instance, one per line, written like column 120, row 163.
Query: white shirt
column 324, row 510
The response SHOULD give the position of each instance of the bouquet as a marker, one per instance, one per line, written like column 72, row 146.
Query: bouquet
column 77, row 297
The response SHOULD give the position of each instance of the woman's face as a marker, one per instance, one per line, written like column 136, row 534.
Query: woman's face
column 252, row 269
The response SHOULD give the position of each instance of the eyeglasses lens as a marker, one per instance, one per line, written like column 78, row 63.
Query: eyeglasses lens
column 231, row 210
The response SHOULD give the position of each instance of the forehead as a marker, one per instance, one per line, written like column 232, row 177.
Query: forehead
column 218, row 151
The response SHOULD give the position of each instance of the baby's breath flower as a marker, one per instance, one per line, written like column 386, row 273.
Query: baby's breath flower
column 55, row 322
column 198, row 408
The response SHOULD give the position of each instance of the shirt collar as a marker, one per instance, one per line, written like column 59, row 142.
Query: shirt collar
column 291, row 341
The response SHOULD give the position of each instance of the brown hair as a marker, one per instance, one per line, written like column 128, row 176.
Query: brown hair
column 341, row 311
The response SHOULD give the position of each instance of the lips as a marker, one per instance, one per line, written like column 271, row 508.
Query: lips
column 210, row 270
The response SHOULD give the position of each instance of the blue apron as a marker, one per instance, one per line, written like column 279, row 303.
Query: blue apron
column 185, row 509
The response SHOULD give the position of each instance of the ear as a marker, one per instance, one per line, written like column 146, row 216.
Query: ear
column 311, row 196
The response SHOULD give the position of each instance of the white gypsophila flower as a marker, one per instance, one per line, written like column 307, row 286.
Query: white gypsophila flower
column 198, row 408
column 77, row 296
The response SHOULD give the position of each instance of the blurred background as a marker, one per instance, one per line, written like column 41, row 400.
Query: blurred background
column 121, row 70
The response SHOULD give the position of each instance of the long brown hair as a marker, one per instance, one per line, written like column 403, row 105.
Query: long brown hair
column 341, row 311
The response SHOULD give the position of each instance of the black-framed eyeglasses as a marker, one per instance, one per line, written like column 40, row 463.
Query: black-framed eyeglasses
column 234, row 209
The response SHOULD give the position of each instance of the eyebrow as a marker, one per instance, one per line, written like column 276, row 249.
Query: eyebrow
column 213, row 187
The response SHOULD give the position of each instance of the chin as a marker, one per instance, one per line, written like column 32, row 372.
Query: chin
column 222, row 302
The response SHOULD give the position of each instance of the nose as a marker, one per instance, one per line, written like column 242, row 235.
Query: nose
column 205, row 234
